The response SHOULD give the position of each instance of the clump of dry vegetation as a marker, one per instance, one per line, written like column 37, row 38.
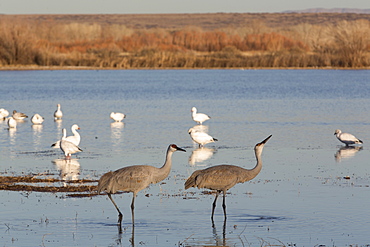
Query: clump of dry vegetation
column 79, row 188
column 46, row 43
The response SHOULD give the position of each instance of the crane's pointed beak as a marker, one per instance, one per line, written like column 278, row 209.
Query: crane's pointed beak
column 180, row 149
column 264, row 141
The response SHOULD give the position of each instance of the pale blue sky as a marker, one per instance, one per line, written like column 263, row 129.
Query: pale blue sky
column 168, row 6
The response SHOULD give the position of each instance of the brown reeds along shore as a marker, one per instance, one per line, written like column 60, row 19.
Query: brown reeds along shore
column 220, row 40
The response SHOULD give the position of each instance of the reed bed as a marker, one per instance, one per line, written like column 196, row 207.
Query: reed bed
column 344, row 45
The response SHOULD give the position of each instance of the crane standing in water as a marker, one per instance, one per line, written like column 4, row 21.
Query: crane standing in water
column 223, row 177
column 134, row 179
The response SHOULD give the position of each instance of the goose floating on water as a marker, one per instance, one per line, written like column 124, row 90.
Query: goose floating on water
column 12, row 123
column 19, row 115
column 37, row 119
column 117, row 116
column 3, row 113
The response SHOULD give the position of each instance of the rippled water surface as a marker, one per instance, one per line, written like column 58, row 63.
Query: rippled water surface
column 311, row 190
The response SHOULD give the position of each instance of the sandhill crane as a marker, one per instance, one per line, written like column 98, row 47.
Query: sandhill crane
column 117, row 116
column 346, row 138
column 37, row 119
column 58, row 114
column 223, row 177
column 19, row 115
column 134, row 179
column 75, row 139
column 68, row 147
column 200, row 137
column 199, row 117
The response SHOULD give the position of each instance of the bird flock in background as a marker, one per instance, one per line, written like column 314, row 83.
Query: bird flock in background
column 219, row 178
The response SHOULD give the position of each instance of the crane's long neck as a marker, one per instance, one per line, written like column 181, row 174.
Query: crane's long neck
column 252, row 173
column 163, row 172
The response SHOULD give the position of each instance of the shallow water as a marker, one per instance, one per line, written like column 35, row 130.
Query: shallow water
column 310, row 191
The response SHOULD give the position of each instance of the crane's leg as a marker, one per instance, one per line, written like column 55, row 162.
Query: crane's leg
column 224, row 203
column 214, row 204
column 119, row 212
column 132, row 208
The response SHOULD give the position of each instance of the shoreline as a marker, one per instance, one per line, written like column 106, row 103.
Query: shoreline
column 31, row 67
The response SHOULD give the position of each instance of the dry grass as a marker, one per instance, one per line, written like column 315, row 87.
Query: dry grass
column 221, row 40
column 32, row 183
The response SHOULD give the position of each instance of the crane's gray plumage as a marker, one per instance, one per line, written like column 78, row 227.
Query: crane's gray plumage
column 135, row 178
column 223, row 177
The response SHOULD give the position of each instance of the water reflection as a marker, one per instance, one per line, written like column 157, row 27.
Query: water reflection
column 69, row 169
column 219, row 241
column 116, row 132
column 37, row 130
column 12, row 135
column 201, row 128
column 346, row 152
column 201, row 154
column 120, row 232
column 58, row 123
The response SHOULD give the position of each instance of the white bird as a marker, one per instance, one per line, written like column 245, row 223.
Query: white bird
column 68, row 147
column 19, row 115
column 58, row 114
column 200, row 137
column 347, row 138
column 117, row 116
column 12, row 123
column 199, row 117
column 37, row 119
column 75, row 139
column 3, row 113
